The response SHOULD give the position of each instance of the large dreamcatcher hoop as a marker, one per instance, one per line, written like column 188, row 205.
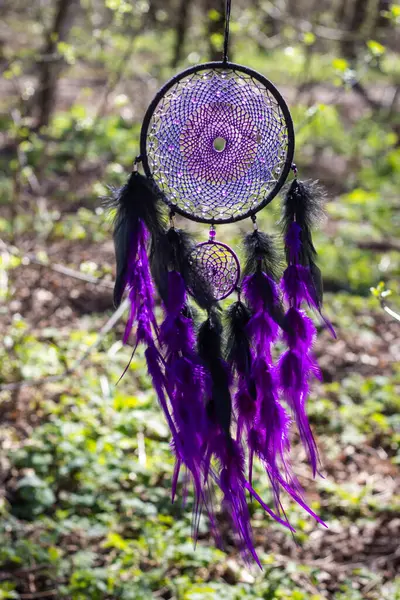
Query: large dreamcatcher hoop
column 218, row 142
column 216, row 147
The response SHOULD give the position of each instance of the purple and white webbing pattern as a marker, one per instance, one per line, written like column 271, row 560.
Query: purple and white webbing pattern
column 217, row 143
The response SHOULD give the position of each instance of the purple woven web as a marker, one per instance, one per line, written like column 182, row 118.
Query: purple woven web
column 200, row 179
column 218, row 265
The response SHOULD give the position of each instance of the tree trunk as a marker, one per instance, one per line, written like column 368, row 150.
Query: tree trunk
column 215, row 26
column 354, row 27
column 180, row 30
column 383, row 22
column 52, row 64
column 341, row 11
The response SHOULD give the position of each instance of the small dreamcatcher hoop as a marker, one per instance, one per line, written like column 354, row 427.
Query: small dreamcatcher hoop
column 216, row 146
column 218, row 265
column 218, row 142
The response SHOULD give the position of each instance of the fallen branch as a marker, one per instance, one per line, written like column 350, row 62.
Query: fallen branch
column 107, row 327
column 389, row 311
column 380, row 245
column 381, row 293
column 27, row 259
column 23, row 571
column 37, row 595
column 362, row 92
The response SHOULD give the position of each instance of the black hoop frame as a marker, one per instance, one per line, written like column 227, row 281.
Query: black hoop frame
column 286, row 113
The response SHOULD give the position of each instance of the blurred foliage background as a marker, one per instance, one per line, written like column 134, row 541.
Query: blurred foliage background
column 85, row 466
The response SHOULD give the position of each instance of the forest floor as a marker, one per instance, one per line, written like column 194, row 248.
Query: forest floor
column 86, row 467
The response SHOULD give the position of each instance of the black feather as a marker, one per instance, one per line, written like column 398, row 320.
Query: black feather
column 304, row 203
column 238, row 346
column 137, row 200
column 238, row 349
column 165, row 257
column 170, row 251
column 261, row 255
column 317, row 280
column 210, row 351
column 190, row 312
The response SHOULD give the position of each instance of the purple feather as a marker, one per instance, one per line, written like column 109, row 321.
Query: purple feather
column 272, row 420
column 155, row 368
column 298, row 283
column 298, row 329
column 179, row 378
column 263, row 331
column 268, row 435
column 185, row 377
column 293, row 242
column 246, row 407
column 140, row 286
column 297, row 365
column 295, row 370
column 298, row 286
column 141, row 295
column 233, row 484
column 269, row 438
column 261, row 292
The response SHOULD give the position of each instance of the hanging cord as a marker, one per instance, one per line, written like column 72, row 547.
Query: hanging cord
column 226, row 38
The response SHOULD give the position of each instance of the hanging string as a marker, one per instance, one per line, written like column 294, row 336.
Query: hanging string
column 226, row 38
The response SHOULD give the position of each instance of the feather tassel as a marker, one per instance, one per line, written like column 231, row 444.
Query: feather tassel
column 221, row 446
column 262, row 295
column 301, row 282
column 137, row 204
column 302, row 210
column 268, row 437
column 239, row 356
column 219, row 404
column 139, row 217
column 185, row 377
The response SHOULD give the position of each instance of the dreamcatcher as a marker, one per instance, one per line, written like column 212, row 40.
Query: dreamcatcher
column 216, row 147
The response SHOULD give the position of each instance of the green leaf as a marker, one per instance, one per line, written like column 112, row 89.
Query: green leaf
column 114, row 540
column 309, row 38
column 395, row 10
column 217, row 40
column 340, row 64
column 376, row 48
column 214, row 15
column 54, row 553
